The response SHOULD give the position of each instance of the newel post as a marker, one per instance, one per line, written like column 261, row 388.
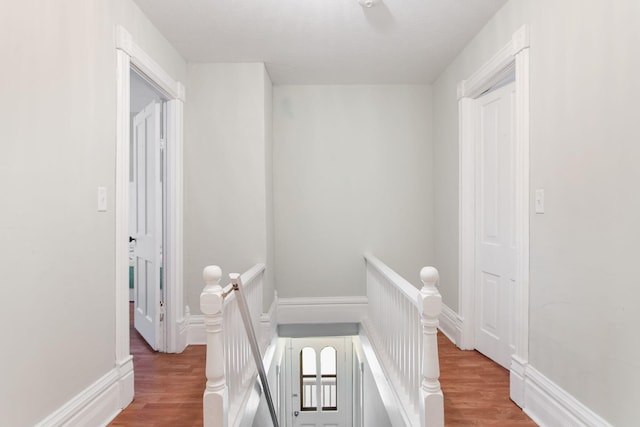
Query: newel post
column 215, row 399
column 430, row 303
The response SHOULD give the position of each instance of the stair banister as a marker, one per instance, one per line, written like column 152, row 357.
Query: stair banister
column 236, row 281
column 430, row 307
column 215, row 400
column 402, row 325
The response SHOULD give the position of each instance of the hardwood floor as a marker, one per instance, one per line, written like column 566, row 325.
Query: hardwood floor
column 476, row 390
column 169, row 387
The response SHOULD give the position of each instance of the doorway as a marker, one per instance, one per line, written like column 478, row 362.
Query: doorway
column 321, row 381
column 130, row 56
column 494, row 284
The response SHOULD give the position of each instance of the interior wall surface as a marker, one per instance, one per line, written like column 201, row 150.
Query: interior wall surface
column 352, row 173
column 57, row 253
column 225, row 177
column 270, row 275
column 584, row 151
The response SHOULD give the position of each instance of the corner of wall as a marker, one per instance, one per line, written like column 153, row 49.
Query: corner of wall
column 99, row 403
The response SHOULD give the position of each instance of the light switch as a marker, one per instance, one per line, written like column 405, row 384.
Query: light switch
column 540, row 201
column 102, row 199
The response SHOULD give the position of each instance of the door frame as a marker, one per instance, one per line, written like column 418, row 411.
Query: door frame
column 513, row 57
column 130, row 55
column 347, row 375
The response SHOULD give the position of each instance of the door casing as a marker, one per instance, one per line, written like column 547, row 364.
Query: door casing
column 344, row 346
column 512, row 58
column 129, row 55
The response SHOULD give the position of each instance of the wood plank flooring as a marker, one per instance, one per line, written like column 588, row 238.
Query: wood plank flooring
column 169, row 387
column 476, row 390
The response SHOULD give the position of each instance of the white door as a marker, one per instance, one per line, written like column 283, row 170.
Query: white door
column 495, row 213
column 147, row 227
column 321, row 381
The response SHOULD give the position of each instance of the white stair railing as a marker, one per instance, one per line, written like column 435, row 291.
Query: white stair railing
column 402, row 324
column 230, row 368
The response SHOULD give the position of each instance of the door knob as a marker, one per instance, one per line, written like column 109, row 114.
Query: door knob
column 296, row 413
column 132, row 239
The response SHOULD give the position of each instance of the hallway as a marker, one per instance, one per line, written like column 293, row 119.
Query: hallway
column 169, row 387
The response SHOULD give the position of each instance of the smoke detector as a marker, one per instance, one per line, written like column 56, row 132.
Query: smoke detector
column 368, row 3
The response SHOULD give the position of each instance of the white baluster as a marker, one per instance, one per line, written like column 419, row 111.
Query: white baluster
column 430, row 305
column 215, row 399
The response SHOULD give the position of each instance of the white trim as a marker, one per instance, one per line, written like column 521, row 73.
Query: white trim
column 196, row 333
column 173, row 261
column 149, row 68
column 466, row 225
column 512, row 57
column 497, row 68
column 269, row 323
column 392, row 403
column 129, row 55
column 321, row 310
column 450, row 324
column 293, row 311
column 97, row 404
column 550, row 405
column 122, row 207
column 183, row 328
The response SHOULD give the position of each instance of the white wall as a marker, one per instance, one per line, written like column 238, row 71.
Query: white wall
column 352, row 172
column 225, row 171
column 58, row 143
column 584, row 153
column 269, row 274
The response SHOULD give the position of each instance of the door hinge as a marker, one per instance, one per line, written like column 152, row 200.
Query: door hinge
column 163, row 144
column 161, row 311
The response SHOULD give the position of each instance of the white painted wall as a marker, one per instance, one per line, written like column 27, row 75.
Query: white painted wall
column 58, row 146
column 584, row 153
column 269, row 274
column 352, row 173
column 226, row 171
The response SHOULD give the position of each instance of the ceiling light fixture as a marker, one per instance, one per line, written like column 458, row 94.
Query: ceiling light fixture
column 367, row 3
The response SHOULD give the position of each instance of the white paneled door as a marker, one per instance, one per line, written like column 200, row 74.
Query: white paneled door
column 495, row 226
column 147, row 225
column 321, row 381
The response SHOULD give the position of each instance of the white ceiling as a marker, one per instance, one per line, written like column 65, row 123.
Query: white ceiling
column 324, row 41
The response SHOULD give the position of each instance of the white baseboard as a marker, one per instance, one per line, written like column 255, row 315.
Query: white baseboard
column 269, row 323
column 517, row 375
column 544, row 401
column 196, row 334
column 550, row 406
column 321, row 310
column 99, row 403
column 450, row 324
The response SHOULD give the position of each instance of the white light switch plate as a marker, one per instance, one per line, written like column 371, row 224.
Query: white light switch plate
column 540, row 201
column 102, row 199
